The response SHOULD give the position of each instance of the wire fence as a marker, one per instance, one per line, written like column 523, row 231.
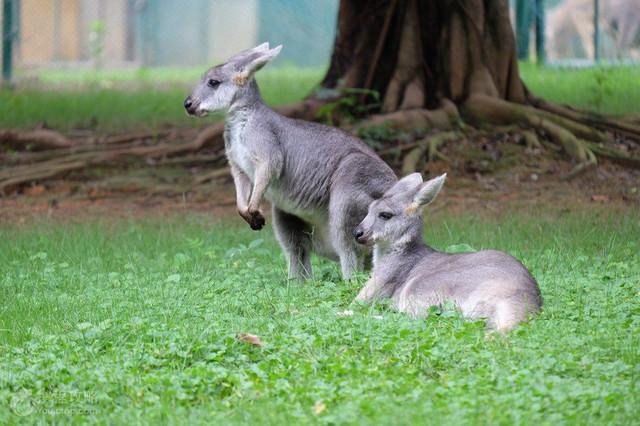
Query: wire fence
column 578, row 32
column 116, row 34
column 112, row 34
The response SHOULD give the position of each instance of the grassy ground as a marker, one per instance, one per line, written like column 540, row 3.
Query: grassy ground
column 136, row 322
column 611, row 90
column 116, row 101
column 119, row 100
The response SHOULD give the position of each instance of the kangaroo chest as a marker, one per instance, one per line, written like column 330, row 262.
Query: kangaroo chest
column 236, row 146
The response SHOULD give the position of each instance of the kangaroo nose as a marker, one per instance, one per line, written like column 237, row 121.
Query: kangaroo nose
column 357, row 233
column 188, row 103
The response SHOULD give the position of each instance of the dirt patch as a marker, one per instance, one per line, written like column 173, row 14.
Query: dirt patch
column 519, row 187
column 27, row 209
column 489, row 174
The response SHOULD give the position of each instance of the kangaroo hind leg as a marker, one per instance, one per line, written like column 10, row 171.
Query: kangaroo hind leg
column 294, row 236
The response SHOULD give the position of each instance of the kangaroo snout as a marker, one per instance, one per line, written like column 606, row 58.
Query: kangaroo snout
column 358, row 234
column 190, row 105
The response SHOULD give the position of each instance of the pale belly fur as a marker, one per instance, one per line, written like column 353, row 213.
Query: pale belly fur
column 317, row 218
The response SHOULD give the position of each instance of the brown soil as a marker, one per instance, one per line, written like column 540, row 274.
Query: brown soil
column 488, row 179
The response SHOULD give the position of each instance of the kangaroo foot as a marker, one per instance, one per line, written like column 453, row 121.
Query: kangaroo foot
column 253, row 218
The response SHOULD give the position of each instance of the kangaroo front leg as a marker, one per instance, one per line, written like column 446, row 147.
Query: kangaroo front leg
column 262, row 178
column 370, row 290
column 345, row 212
column 243, row 192
column 263, row 174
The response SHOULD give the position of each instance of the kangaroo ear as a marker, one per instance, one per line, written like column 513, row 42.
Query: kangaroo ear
column 427, row 192
column 242, row 55
column 261, row 47
column 412, row 180
column 254, row 62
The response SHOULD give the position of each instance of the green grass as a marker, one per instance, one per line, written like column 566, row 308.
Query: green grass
column 136, row 322
column 109, row 76
column 117, row 101
column 112, row 101
column 611, row 90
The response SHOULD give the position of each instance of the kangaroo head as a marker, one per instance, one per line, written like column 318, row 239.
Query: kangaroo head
column 398, row 213
column 227, row 83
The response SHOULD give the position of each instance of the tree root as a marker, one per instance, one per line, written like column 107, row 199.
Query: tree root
column 105, row 144
column 544, row 124
column 614, row 155
column 580, row 167
column 212, row 175
column 59, row 155
column 34, row 140
column 486, row 109
column 444, row 118
column 192, row 159
column 531, row 139
column 55, row 165
column 414, row 160
column 629, row 127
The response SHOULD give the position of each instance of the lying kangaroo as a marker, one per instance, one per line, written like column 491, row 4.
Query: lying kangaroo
column 320, row 180
column 488, row 284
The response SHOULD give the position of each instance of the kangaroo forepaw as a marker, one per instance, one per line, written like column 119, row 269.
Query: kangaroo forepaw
column 257, row 221
column 254, row 219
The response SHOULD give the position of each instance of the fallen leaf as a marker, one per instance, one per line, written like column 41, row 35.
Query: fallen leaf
column 35, row 190
column 319, row 407
column 93, row 192
column 250, row 338
column 600, row 198
column 63, row 188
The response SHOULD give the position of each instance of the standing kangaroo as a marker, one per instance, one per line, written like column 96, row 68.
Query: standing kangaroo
column 320, row 180
column 488, row 284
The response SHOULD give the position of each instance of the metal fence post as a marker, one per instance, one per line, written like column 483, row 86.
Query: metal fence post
column 596, row 30
column 541, row 54
column 523, row 25
column 7, row 40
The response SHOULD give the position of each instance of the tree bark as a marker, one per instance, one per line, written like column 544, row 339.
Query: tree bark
column 433, row 58
column 417, row 52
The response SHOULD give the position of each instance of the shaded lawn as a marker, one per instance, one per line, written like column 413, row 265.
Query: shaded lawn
column 113, row 101
column 609, row 90
column 136, row 322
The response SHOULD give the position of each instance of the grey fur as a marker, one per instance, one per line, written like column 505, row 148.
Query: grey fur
column 320, row 180
column 488, row 284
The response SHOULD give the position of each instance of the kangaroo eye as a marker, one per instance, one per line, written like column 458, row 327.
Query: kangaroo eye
column 213, row 83
column 385, row 215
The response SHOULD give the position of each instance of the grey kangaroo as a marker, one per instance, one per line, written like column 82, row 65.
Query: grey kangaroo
column 488, row 284
column 319, row 180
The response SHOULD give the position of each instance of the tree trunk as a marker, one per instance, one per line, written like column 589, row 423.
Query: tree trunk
column 430, row 59
column 417, row 52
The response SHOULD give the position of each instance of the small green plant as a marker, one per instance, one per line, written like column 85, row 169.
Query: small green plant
column 601, row 87
column 378, row 135
column 97, row 30
column 143, row 74
column 350, row 104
